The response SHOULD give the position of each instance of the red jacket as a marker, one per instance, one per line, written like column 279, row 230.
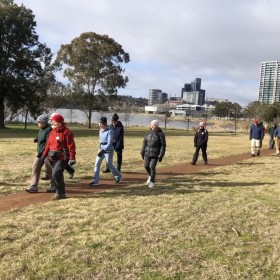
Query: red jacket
column 62, row 140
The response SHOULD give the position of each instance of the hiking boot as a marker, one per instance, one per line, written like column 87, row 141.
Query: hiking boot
column 119, row 179
column 51, row 189
column 151, row 185
column 71, row 175
column 93, row 184
column 45, row 178
column 58, row 196
column 32, row 189
column 148, row 180
column 106, row 171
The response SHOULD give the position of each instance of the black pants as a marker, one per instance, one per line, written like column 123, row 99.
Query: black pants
column 119, row 160
column 57, row 175
column 196, row 153
column 150, row 166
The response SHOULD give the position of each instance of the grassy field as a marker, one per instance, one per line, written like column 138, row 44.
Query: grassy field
column 218, row 224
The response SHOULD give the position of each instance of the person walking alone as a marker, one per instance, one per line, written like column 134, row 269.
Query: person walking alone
column 153, row 150
column 256, row 136
column 200, row 143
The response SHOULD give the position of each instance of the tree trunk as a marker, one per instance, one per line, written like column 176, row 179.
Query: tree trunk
column 89, row 118
column 2, row 113
column 25, row 122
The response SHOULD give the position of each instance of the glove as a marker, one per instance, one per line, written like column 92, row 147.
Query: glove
column 142, row 156
column 35, row 140
column 160, row 159
column 42, row 159
column 100, row 154
column 39, row 155
column 72, row 162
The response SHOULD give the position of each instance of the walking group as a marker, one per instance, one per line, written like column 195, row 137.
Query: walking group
column 56, row 150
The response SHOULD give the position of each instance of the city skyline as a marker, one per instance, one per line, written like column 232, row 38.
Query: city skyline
column 170, row 42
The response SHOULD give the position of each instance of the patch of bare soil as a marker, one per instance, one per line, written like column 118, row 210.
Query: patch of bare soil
column 24, row 199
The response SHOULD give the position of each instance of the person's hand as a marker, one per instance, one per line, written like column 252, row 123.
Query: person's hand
column 72, row 162
column 42, row 159
column 160, row 159
column 100, row 154
column 39, row 155
column 35, row 140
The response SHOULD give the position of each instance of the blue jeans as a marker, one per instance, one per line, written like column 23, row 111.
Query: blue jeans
column 109, row 160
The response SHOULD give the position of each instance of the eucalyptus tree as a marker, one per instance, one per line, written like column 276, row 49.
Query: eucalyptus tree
column 92, row 63
column 25, row 63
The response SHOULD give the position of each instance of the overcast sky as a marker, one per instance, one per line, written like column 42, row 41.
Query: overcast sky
column 172, row 42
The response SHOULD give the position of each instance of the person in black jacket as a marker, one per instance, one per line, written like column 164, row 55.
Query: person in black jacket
column 118, row 143
column 153, row 150
column 200, row 142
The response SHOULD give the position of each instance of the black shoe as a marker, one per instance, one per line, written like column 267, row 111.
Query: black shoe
column 51, row 189
column 253, row 155
column 106, row 171
column 45, row 178
column 258, row 153
column 32, row 189
column 205, row 162
column 92, row 184
column 58, row 196
column 193, row 163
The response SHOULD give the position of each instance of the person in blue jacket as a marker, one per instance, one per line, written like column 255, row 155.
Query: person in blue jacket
column 256, row 136
column 106, row 150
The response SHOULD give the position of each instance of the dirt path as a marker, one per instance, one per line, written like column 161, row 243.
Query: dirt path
column 24, row 199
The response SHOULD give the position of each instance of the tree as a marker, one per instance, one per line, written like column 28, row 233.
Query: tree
column 93, row 66
column 25, row 67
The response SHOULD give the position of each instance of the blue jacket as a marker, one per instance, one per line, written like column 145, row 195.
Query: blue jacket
column 277, row 132
column 106, row 140
column 256, row 132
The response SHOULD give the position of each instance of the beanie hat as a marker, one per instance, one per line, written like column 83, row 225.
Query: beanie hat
column 43, row 118
column 115, row 117
column 155, row 122
column 202, row 124
column 57, row 118
column 103, row 120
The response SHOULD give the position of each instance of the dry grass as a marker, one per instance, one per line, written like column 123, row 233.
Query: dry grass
column 218, row 224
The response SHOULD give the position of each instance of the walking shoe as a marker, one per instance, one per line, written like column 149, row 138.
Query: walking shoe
column 58, row 196
column 45, row 178
column 148, row 180
column 193, row 163
column 205, row 162
column 93, row 184
column 119, row 179
column 258, row 153
column 71, row 175
column 253, row 155
column 106, row 171
column 32, row 189
column 51, row 189
column 151, row 185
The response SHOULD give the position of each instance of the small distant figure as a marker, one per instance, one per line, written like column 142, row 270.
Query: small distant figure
column 277, row 139
column 263, row 128
column 41, row 141
column 118, row 143
column 256, row 136
column 106, row 150
column 200, row 143
column 153, row 150
column 271, row 130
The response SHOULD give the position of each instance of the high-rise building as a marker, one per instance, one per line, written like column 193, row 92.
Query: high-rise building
column 156, row 96
column 192, row 93
column 269, row 90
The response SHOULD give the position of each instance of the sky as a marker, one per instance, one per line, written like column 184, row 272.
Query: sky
column 172, row 42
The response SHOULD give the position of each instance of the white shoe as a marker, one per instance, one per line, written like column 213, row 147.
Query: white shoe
column 148, row 180
column 151, row 185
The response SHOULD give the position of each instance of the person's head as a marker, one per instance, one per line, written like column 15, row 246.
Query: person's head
column 42, row 120
column 154, row 125
column 56, row 120
column 115, row 119
column 256, row 121
column 201, row 125
column 102, row 122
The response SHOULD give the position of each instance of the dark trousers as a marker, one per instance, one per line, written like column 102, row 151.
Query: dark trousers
column 57, row 175
column 196, row 154
column 150, row 166
column 119, row 160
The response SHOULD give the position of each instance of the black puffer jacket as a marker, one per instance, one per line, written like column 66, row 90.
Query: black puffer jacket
column 201, row 138
column 154, row 144
column 118, row 135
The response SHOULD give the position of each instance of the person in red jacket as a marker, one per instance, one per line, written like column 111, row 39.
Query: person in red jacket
column 60, row 150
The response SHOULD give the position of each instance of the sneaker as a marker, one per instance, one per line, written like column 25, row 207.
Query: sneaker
column 58, row 196
column 71, row 175
column 93, row 184
column 51, row 189
column 151, row 185
column 148, row 180
column 119, row 179
column 32, row 189
column 205, row 162
column 106, row 171
column 45, row 178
